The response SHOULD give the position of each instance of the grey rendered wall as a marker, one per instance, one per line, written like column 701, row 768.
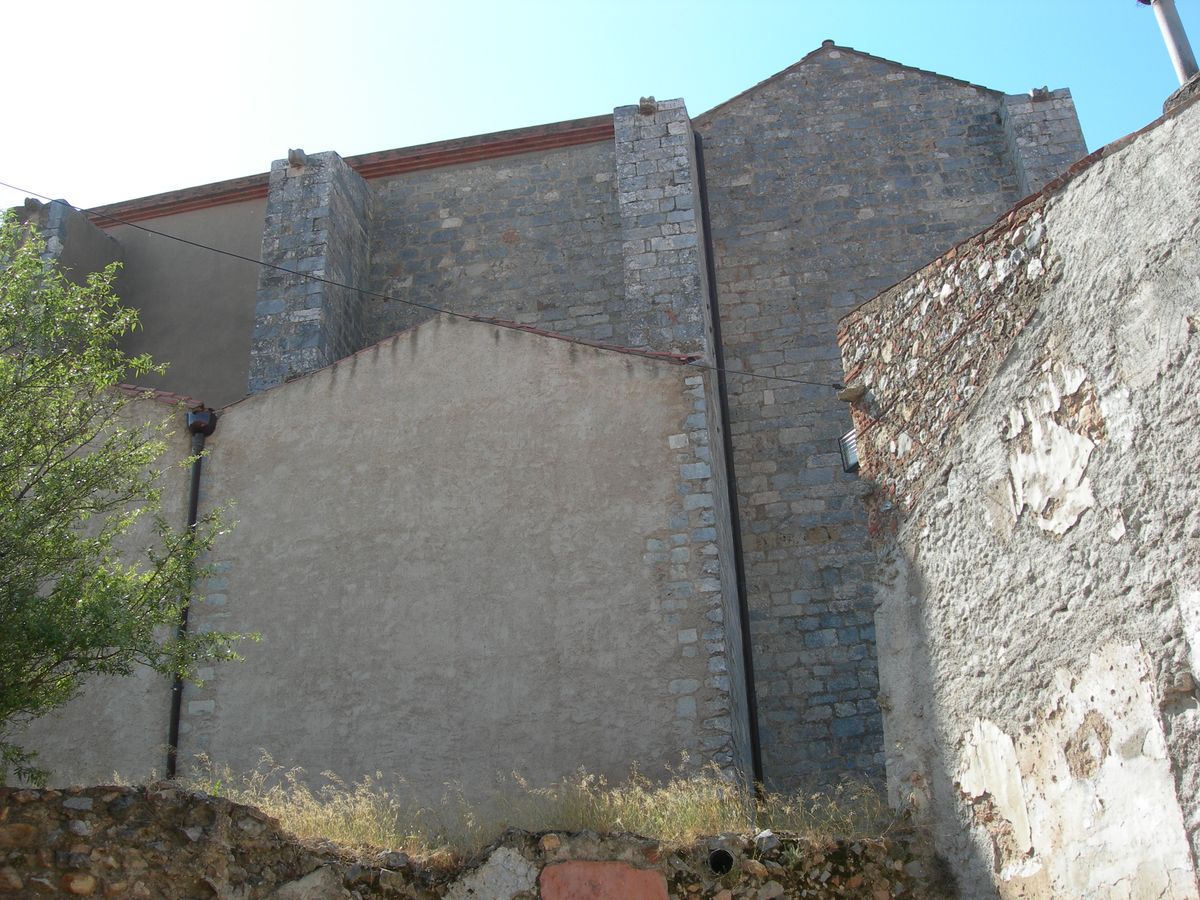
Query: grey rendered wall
column 469, row 551
column 78, row 246
column 826, row 185
column 196, row 306
column 1039, row 628
column 534, row 238
column 118, row 726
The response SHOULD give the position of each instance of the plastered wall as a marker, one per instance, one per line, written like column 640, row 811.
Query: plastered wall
column 1036, row 618
column 469, row 551
column 118, row 726
column 196, row 307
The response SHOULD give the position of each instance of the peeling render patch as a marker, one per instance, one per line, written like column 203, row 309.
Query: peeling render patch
column 1048, row 463
column 1083, row 802
column 991, row 772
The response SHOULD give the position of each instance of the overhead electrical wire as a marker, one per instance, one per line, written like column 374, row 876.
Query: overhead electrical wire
column 696, row 364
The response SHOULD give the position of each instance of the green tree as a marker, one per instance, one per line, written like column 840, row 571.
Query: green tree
column 78, row 485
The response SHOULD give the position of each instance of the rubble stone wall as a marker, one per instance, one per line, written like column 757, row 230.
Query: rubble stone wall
column 161, row 841
column 1030, row 419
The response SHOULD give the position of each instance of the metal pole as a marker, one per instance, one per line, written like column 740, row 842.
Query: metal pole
column 1174, row 37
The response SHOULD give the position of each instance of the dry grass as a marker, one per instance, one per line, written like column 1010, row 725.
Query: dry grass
column 371, row 814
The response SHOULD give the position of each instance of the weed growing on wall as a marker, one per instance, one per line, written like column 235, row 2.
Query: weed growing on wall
column 372, row 814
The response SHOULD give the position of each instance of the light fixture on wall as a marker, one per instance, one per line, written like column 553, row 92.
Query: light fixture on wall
column 848, row 444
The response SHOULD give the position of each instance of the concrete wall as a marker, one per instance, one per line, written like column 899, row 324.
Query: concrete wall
column 118, row 726
column 1030, row 419
column 469, row 551
column 533, row 237
column 196, row 306
column 826, row 184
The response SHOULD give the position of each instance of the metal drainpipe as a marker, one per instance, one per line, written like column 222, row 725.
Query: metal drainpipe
column 735, row 520
column 1174, row 37
column 201, row 423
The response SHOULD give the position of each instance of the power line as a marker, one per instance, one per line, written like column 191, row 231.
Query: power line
column 380, row 296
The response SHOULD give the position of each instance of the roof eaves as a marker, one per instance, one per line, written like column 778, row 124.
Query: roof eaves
column 438, row 154
column 169, row 398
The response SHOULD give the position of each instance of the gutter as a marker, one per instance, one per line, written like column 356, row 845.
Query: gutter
column 201, row 423
column 735, row 518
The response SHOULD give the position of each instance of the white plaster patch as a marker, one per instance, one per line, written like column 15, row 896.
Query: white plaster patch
column 990, row 767
column 1091, row 776
column 1118, row 529
column 1050, row 477
column 1120, row 418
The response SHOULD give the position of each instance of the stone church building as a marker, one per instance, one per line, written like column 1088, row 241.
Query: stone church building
column 532, row 438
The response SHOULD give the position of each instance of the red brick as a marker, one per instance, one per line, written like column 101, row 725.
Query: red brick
column 580, row 880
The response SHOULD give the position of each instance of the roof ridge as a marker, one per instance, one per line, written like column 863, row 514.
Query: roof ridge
column 830, row 45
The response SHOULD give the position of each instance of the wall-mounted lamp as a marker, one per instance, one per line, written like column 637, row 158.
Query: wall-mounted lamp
column 848, row 444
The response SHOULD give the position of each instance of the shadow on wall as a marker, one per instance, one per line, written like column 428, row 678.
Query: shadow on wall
column 1027, row 421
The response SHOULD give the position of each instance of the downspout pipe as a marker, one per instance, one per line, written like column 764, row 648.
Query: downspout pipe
column 200, row 423
column 1176, row 39
column 735, row 518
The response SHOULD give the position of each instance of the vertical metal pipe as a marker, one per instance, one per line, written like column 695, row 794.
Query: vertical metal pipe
column 1176, row 39
column 735, row 518
column 200, row 423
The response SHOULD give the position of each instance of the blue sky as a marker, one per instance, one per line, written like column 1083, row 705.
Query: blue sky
column 124, row 99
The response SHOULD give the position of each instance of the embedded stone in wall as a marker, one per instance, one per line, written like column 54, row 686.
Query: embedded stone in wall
column 316, row 249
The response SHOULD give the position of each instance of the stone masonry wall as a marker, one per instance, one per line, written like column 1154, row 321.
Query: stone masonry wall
column 665, row 299
column 317, row 224
column 826, row 184
column 533, row 238
column 76, row 245
column 1043, row 135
